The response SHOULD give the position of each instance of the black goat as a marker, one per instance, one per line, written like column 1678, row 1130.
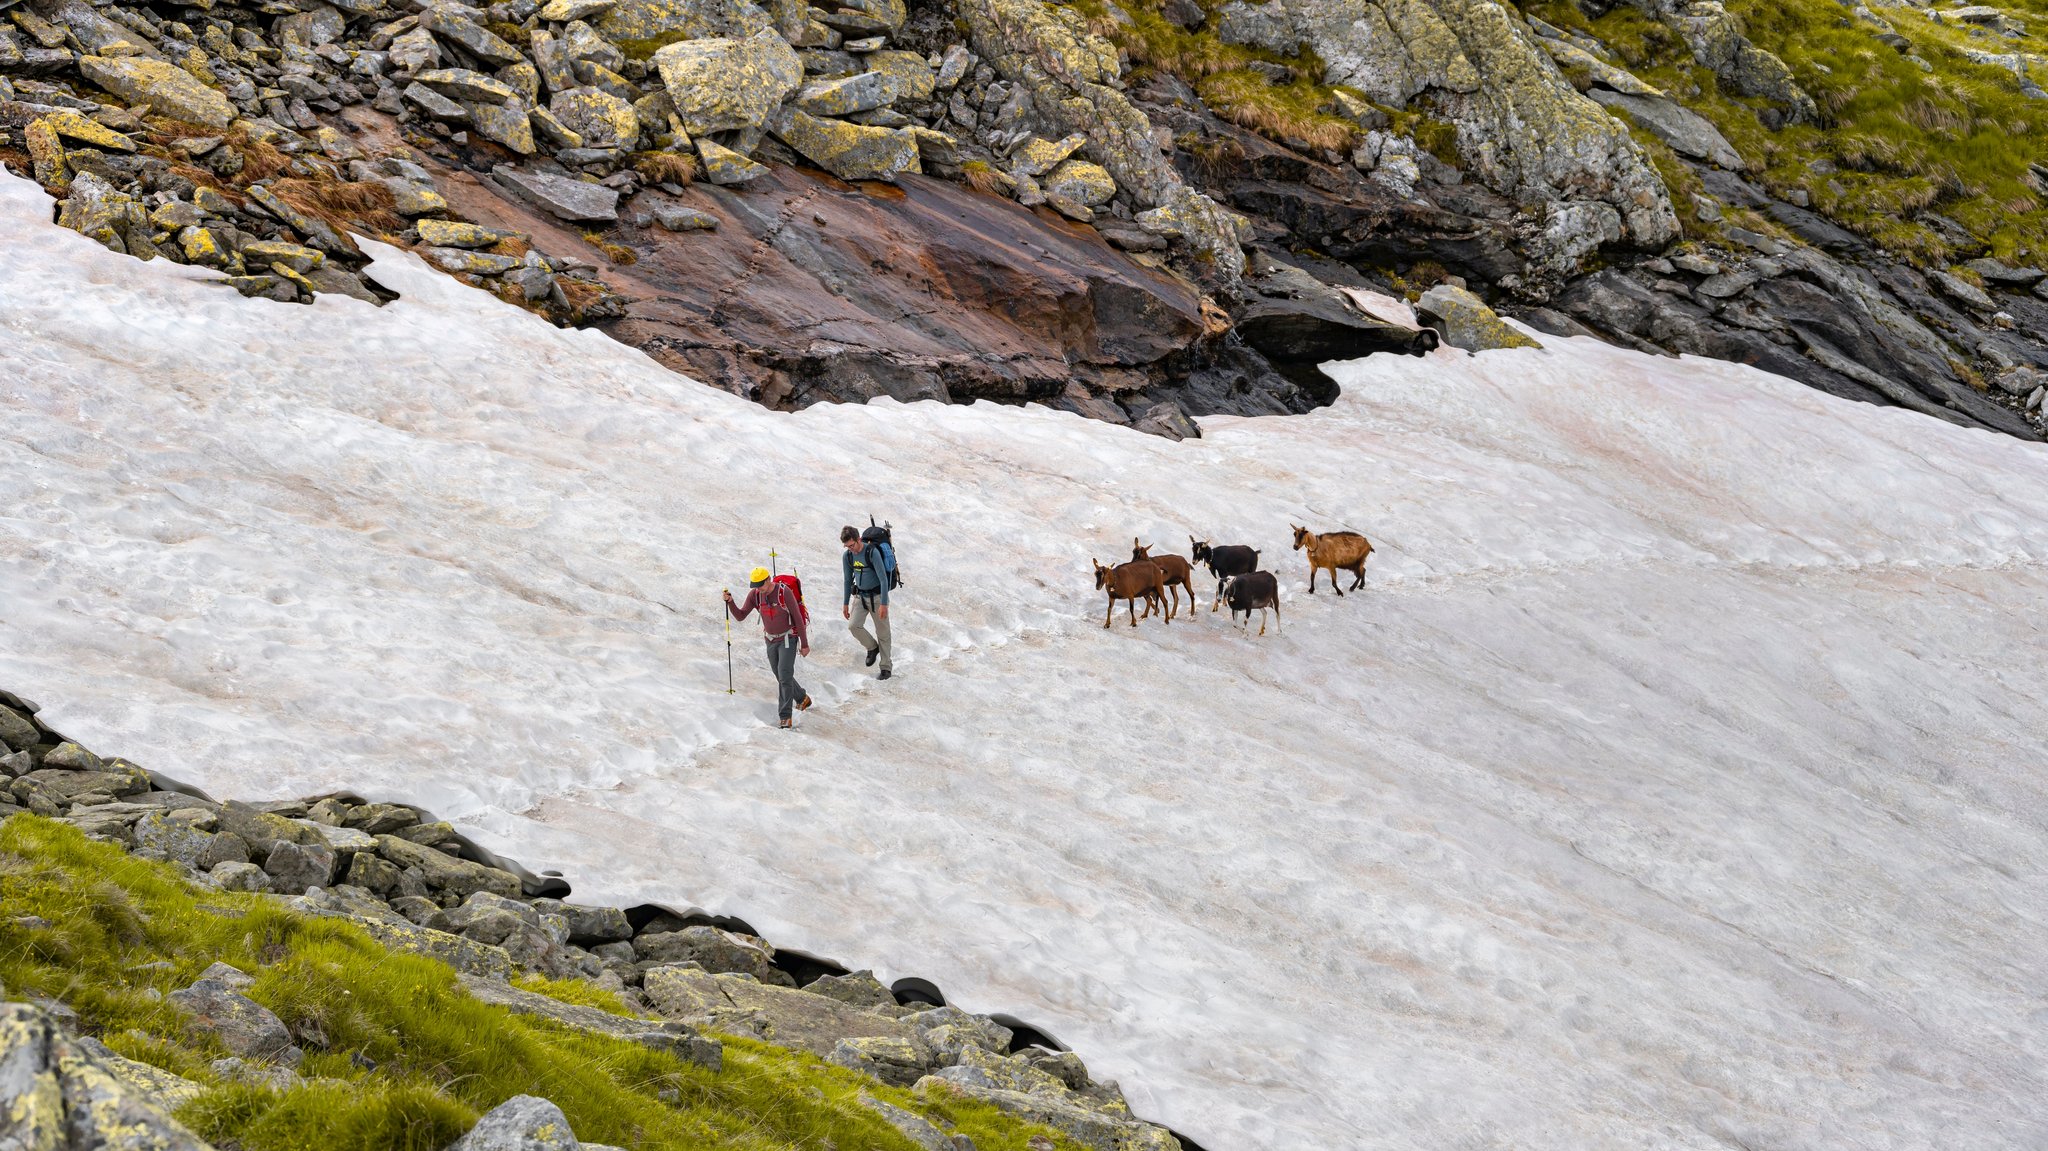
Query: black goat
column 1224, row 561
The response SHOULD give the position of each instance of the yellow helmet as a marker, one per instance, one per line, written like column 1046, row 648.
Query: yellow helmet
column 758, row 576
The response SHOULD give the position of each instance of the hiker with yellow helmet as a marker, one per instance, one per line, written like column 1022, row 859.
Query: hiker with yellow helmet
column 788, row 635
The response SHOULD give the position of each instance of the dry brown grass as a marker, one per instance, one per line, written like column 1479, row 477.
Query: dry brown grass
column 581, row 294
column 617, row 253
column 511, row 246
column 345, row 204
column 666, row 167
column 984, row 179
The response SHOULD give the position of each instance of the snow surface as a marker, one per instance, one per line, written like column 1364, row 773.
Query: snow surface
column 1676, row 781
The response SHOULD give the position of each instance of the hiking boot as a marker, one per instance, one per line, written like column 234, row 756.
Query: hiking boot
column 804, row 704
column 874, row 653
column 884, row 675
column 786, row 723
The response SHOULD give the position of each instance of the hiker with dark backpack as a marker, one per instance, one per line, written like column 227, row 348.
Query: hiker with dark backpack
column 786, row 626
column 869, row 569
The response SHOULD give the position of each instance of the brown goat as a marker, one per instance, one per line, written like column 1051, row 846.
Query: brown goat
column 1338, row 551
column 1127, row 582
column 1177, row 572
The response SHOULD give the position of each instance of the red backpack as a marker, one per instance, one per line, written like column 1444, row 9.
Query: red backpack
column 796, row 585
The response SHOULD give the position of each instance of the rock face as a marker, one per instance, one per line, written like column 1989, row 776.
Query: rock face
column 1523, row 129
column 992, row 304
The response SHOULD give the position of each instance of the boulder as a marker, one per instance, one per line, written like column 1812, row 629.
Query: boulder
column 896, row 1061
column 725, row 167
column 241, row 1024
column 1091, row 1129
column 720, row 85
column 859, row 989
column 167, row 88
column 1080, row 181
column 445, row 871
column 66, row 1093
column 118, row 780
column 906, row 76
column 508, row 124
column 262, row 831
column 385, row 818
column 464, row 955
column 596, row 924
column 17, row 730
column 715, row 950
column 442, row 234
column 464, row 84
column 174, row 839
column 521, row 1123
column 235, row 875
column 848, row 151
column 685, row 219
column 661, row 20
column 844, row 96
column 71, row 757
column 1467, row 322
column 601, row 119
column 784, row 1016
column 294, row 867
column 108, row 216
column 1956, row 288
column 560, row 196
column 449, row 22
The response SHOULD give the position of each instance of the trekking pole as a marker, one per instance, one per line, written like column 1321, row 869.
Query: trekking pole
column 772, row 553
column 727, row 613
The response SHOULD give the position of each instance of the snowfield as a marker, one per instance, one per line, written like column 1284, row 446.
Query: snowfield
column 1677, row 780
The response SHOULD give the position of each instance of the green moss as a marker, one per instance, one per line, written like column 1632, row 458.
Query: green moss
column 1895, row 141
column 1299, row 112
column 398, row 1054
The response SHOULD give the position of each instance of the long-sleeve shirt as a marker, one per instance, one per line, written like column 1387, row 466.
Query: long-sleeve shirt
column 862, row 572
column 779, row 614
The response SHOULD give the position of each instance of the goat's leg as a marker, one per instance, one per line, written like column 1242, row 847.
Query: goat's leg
column 1262, row 620
column 1334, row 585
column 1110, row 610
column 1131, row 605
column 1312, row 578
column 1358, row 572
column 1218, row 602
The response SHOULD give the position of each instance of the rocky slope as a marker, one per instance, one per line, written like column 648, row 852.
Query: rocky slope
column 1136, row 211
column 100, row 1055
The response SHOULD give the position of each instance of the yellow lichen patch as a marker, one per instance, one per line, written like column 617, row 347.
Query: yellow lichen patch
column 73, row 126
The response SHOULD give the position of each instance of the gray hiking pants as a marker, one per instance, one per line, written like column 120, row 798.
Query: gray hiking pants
column 880, row 638
column 782, row 661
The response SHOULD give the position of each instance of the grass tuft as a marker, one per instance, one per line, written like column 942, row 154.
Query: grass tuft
column 666, row 167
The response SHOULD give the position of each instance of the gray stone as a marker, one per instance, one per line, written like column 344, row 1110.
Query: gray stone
column 845, row 96
column 911, row 1125
column 521, row 1123
column 464, row 84
column 448, row 22
column 560, row 196
column 72, row 757
column 1728, row 284
column 224, row 848
column 739, row 1005
column 1467, row 322
column 893, row 1060
column 241, row 1024
column 16, row 730
column 1697, row 265
column 435, row 104
column 367, row 871
column 294, row 867
column 685, row 219
column 1962, row 291
column 1687, row 132
column 1996, row 272
column 719, row 85
column 596, row 924
column 177, row 839
column 382, row 818
column 859, row 988
column 446, row 872
column 718, row 951
column 63, row 1093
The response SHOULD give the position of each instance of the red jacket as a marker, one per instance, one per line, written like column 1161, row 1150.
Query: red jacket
column 778, row 612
